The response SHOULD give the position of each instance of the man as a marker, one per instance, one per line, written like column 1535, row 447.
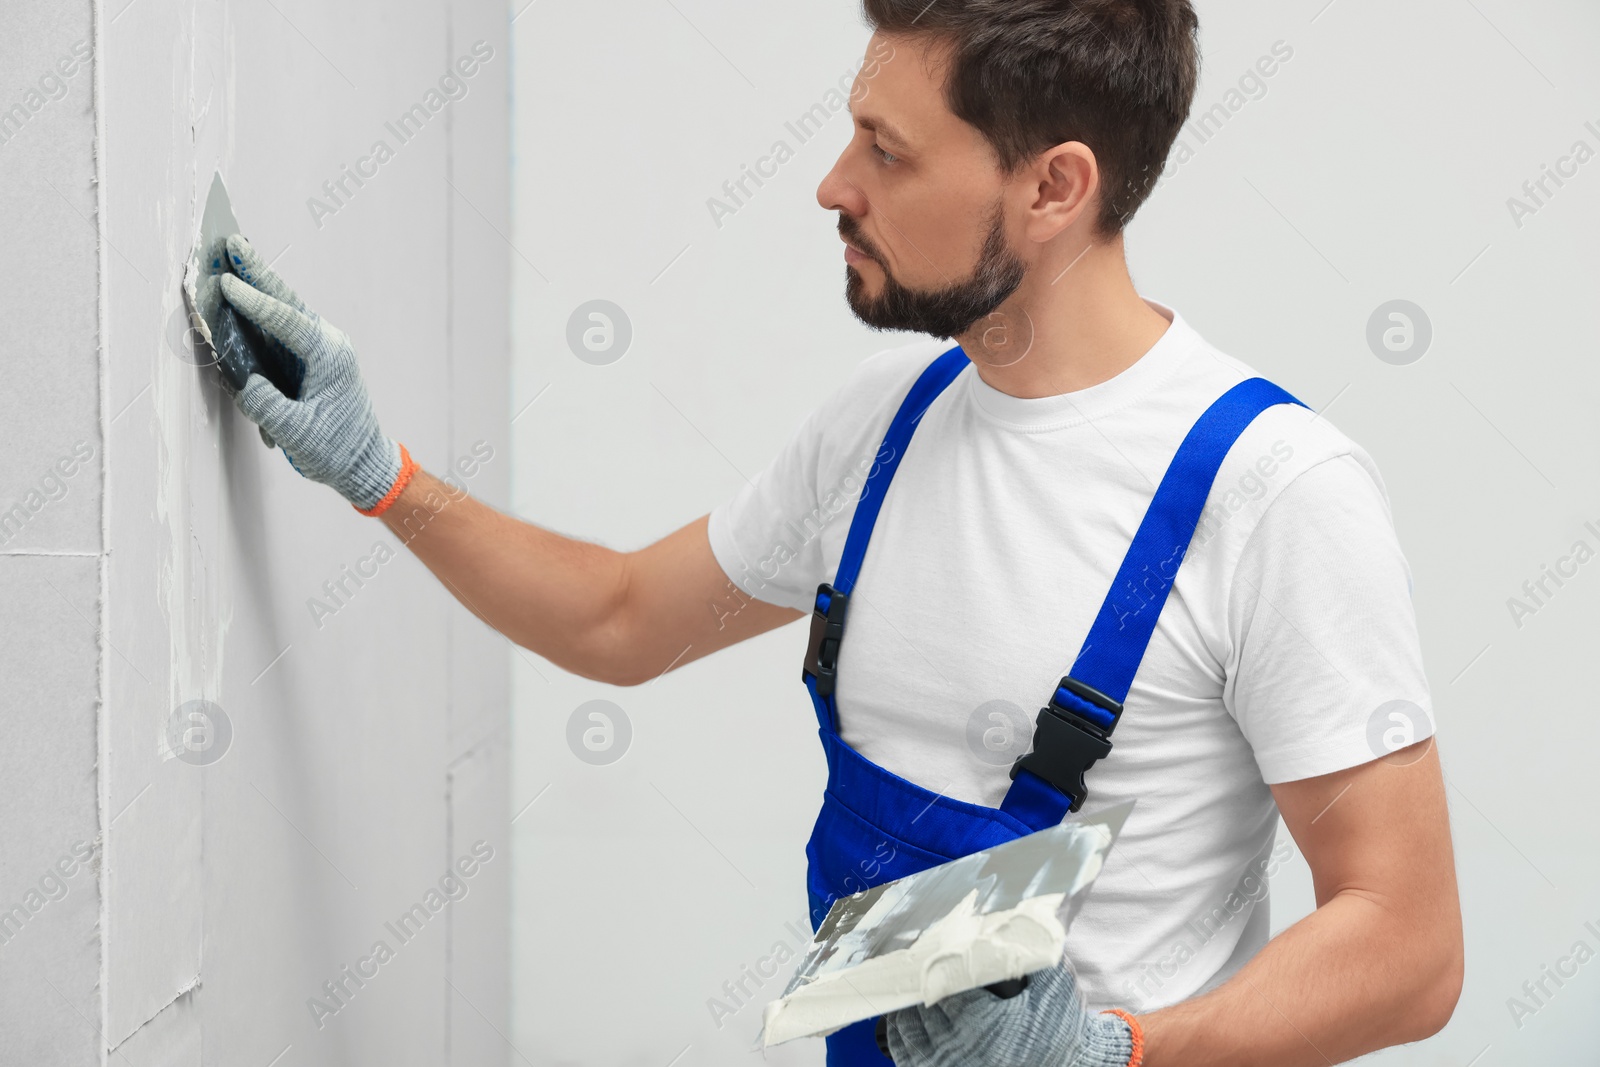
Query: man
column 997, row 155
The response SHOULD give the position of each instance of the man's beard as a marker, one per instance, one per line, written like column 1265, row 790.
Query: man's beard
column 945, row 312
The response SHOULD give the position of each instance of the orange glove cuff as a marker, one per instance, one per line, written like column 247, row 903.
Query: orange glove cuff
column 408, row 470
column 1137, row 1032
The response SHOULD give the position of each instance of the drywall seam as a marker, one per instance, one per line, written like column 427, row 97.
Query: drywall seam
column 103, row 641
column 450, row 708
column 188, row 987
column 52, row 552
column 448, row 194
column 195, row 210
column 450, row 919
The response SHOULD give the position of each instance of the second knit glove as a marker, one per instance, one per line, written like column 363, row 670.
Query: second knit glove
column 1046, row 1025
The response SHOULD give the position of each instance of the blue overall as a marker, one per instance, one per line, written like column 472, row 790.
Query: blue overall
column 875, row 826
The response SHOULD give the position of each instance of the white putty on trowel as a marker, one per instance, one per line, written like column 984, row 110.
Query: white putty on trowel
column 234, row 344
column 982, row 919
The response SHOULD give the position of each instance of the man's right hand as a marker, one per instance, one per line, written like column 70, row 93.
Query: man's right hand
column 329, row 433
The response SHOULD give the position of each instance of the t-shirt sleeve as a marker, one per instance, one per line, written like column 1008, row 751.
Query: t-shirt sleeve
column 749, row 532
column 779, row 534
column 1326, row 667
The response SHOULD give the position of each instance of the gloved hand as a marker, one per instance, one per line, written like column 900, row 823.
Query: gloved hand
column 330, row 433
column 1046, row 1025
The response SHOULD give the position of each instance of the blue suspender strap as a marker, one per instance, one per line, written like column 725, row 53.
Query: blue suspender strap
column 827, row 619
column 1117, row 639
column 1074, row 730
column 938, row 374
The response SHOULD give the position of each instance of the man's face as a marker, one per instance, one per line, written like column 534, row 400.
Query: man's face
column 920, row 201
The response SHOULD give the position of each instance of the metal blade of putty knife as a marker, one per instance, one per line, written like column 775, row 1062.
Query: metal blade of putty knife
column 235, row 345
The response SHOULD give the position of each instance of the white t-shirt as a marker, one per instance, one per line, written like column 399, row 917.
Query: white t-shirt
column 1287, row 638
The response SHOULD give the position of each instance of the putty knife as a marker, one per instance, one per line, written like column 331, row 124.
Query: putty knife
column 984, row 920
column 237, row 347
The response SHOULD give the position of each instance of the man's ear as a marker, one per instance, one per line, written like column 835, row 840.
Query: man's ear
column 1065, row 182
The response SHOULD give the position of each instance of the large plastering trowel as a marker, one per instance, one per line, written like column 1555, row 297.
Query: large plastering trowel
column 984, row 920
column 235, row 345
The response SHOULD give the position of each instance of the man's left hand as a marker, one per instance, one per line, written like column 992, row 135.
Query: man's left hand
column 1046, row 1025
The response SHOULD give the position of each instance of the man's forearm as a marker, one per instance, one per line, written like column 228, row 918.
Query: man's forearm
column 619, row 617
column 555, row 595
column 1380, row 961
column 1349, row 978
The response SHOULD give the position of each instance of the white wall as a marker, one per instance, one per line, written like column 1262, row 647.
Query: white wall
column 369, row 747
column 1376, row 166
column 50, row 537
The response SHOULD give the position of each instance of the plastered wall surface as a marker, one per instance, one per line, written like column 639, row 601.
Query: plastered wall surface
column 50, row 538
column 1363, row 170
column 354, row 791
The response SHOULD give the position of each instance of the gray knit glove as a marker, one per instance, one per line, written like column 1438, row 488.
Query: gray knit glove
column 330, row 433
column 1045, row 1025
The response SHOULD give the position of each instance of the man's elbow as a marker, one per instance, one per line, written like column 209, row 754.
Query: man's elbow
column 1440, row 991
column 601, row 653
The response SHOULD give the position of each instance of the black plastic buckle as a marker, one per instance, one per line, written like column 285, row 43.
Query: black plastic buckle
column 827, row 631
column 1066, row 743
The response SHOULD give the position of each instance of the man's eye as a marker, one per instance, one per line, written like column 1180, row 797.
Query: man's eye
column 885, row 156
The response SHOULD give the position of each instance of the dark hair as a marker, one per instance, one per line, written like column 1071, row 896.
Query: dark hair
column 1117, row 75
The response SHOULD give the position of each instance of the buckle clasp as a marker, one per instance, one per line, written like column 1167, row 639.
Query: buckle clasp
column 827, row 631
column 1069, row 735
